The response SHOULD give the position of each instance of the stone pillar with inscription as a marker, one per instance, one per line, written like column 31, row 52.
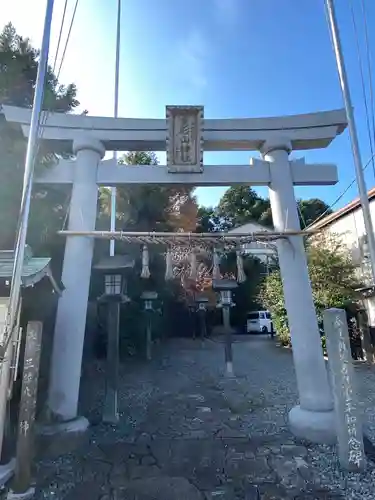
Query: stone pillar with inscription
column 348, row 424
column 21, row 486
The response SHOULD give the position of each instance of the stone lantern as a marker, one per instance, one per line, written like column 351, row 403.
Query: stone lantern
column 226, row 287
column 149, row 298
column 114, row 270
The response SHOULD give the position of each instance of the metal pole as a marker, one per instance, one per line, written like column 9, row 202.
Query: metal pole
column 117, row 77
column 28, row 176
column 228, row 341
column 203, row 326
column 110, row 412
column 352, row 131
column 148, row 335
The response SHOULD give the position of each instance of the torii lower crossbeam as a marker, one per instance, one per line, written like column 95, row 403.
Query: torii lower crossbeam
column 255, row 174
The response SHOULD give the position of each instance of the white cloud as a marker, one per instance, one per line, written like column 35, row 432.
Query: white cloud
column 193, row 56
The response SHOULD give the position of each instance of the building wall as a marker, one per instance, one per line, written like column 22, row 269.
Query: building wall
column 351, row 230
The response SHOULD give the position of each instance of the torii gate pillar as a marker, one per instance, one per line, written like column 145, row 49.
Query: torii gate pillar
column 72, row 307
column 313, row 418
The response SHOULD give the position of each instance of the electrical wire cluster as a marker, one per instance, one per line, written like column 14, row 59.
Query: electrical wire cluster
column 365, row 69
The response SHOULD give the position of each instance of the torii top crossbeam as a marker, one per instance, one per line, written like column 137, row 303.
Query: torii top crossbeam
column 308, row 131
column 305, row 131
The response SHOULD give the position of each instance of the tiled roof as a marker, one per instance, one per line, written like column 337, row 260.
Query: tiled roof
column 34, row 268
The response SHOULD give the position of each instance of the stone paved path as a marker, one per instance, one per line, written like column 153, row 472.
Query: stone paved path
column 187, row 433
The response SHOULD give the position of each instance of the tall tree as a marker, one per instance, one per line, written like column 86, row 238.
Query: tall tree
column 311, row 210
column 18, row 70
column 241, row 204
column 150, row 207
column 209, row 220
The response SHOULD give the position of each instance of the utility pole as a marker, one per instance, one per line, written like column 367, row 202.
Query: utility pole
column 19, row 249
column 332, row 21
column 117, row 78
column 31, row 150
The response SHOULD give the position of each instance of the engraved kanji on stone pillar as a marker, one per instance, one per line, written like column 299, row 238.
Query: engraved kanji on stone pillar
column 184, row 142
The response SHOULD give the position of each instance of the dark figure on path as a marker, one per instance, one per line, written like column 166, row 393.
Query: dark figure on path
column 355, row 339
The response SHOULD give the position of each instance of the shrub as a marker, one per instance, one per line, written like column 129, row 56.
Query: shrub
column 333, row 281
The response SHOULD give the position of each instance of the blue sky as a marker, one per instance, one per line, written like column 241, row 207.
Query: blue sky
column 239, row 58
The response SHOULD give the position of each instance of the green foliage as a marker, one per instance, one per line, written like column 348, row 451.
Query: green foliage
column 146, row 208
column 19, row 66
column 246, row 295
column 272, row 297
column 332, row 272
column 241, row 204
column 209, row 220
column 18, row 70
column 333, row 281
column 311, row 210
column 150, row 207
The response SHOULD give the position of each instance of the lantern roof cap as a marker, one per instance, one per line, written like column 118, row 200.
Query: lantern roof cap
column 201, row 298
column 115, row 262
column 149, row 295
column 224, row 284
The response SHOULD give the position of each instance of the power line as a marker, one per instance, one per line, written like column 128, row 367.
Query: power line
column 43, row 120
column 363, row 86
column 25, row 201
column 67, row 38
column 60, row 34
column 340, row 196
column 369, row 67
column 344, row 84
column 371, row 135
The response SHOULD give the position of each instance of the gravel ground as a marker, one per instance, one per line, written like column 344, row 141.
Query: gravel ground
column 188, row 433
column 279, row 385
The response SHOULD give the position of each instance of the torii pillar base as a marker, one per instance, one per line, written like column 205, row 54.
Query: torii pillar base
column 314, row 426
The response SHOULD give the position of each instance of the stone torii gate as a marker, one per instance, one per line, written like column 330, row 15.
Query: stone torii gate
column 183, row 134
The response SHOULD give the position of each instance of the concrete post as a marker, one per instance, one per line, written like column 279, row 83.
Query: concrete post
column 72, row 307
column 348, row 425
column 313, row 418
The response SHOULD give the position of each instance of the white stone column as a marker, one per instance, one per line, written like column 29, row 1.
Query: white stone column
column 313, row 418
column 72, row 307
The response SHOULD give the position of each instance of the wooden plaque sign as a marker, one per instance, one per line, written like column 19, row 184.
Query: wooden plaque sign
column 184, row 142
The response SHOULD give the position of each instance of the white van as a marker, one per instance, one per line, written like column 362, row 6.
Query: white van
column 259, row 322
